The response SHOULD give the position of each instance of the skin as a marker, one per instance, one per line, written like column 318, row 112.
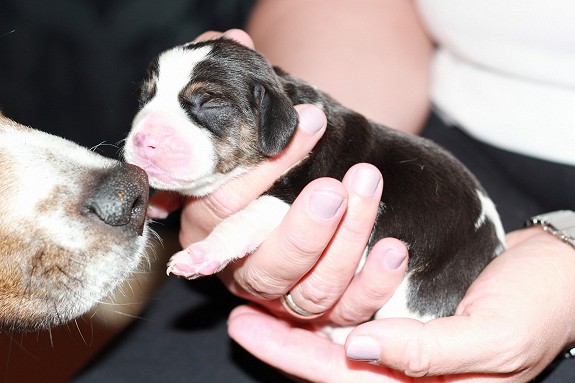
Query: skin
column 300, row 37
column 483, row 342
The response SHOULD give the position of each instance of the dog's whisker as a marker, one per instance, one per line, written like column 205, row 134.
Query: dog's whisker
column 81, row 334
column 51, row 337
column 120, row 146
column 125, row 314
column 8, row 33
column 103, row 143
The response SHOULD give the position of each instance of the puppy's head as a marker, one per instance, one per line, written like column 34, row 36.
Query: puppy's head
column 72, row 226
column 209, row 111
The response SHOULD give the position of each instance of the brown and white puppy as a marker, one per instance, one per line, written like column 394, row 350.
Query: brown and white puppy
column 72, row 226
column 212, row 110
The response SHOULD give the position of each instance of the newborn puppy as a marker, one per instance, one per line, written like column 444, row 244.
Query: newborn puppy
column 215, row 109
column 72, row 226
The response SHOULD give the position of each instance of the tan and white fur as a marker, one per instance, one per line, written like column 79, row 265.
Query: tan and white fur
column 72, row 226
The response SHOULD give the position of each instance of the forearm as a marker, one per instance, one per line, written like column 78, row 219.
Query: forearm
column 372, row 56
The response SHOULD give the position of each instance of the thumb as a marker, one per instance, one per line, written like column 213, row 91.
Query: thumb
column 443, row 346
column 162, row 203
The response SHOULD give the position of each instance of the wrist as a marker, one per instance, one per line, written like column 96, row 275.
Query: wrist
column 560, row 223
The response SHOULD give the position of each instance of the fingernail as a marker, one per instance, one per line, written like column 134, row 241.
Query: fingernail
column 363, row 348
column 311, row 119
column 324, row 204
column 366, row 182
column 157, row 212
column 394, row 258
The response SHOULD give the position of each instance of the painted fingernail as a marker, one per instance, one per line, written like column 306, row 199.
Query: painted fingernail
column 366, row 182
column 394, row 258
column 324, row 204
column 311, row 119
column 363, row 348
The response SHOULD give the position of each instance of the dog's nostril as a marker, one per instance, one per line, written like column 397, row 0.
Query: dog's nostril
column 121, row 197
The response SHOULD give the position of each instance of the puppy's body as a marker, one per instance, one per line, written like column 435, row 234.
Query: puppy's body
column 213, row 110
column 72, row 226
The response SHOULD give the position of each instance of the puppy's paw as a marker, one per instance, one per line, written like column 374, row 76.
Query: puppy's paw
column 194, row 262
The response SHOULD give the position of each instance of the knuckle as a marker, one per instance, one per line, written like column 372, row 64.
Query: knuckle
column 347, row 314
column 356, row 226
column 260, row 285
column 319, row 295
column 223, row 204
column 374, row 295
column 303, row 244
column 418, row 360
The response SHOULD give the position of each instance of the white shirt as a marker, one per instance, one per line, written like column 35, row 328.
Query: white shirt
column 505, row 72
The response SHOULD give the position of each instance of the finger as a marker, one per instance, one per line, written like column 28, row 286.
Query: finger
column 209, row 35
column 236, row 194
column 299, row 352
column 162, row 203
column 417, row 349
column 374, row 285
column 238, row 35
column 323, row 286
column 293, row 248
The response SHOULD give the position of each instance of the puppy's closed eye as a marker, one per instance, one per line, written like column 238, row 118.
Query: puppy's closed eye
column 200, row 102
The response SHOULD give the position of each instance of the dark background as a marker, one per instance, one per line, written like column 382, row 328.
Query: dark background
column 72, row 67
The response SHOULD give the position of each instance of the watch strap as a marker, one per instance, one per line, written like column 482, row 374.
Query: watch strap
column 560, row 223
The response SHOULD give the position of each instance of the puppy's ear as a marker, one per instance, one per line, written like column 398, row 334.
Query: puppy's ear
column 277, row 119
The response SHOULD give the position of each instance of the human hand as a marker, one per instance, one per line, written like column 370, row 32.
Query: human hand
column 515, row 318
column 323, row 235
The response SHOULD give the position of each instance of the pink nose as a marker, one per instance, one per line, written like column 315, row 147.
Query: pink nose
column 146, row 144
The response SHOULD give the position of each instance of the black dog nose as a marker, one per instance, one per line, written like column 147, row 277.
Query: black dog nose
column 121, row 197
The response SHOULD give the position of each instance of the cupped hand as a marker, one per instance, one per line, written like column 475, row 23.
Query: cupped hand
column 513, row 321
column 315, row 251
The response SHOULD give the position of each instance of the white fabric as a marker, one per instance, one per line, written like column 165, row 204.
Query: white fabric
column 505, row 72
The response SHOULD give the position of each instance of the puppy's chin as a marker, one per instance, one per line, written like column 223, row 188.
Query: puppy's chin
column 199, row 187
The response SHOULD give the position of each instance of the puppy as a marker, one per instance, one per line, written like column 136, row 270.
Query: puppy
column 72, row 226
column 213, row 110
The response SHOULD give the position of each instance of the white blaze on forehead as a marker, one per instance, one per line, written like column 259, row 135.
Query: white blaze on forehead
column 175, row 69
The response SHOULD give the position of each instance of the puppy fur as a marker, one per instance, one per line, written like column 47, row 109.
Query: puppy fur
column 213, row 110
column 72, row 226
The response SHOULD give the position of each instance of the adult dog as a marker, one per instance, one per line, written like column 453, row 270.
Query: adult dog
column 72, row 226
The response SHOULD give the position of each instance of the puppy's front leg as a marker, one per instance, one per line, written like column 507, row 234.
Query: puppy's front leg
column 233, row 238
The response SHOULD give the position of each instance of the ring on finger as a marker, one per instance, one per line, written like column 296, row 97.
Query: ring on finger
column 295, row 310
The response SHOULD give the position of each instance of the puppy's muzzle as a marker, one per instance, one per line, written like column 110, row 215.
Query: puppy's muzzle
column 120, row 198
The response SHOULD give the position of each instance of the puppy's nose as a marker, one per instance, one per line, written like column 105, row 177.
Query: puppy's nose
column 146, row 144
column 121, row 197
